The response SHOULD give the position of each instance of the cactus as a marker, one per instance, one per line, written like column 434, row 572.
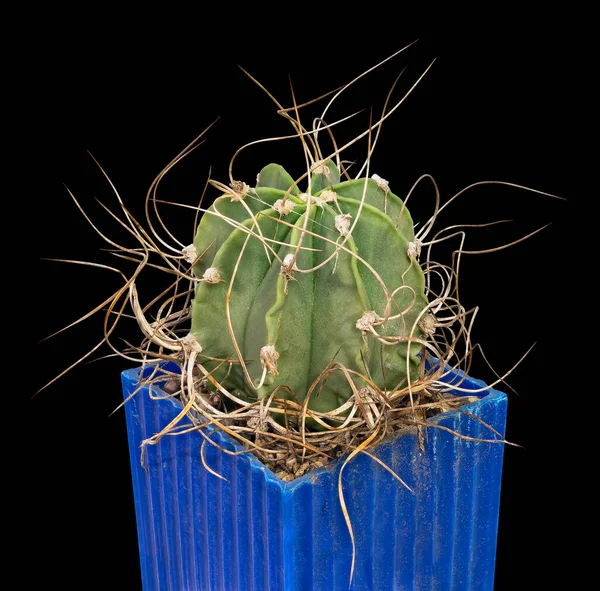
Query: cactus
column 308, row 294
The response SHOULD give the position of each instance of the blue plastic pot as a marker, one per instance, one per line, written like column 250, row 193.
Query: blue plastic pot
column 256, row 532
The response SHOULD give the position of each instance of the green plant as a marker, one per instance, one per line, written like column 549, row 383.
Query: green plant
column 292, row 284
column 301, row 322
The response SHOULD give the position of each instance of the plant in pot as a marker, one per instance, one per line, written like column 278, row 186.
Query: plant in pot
column 303, row 417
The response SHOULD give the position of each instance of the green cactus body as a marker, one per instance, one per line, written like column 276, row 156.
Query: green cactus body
column 309, row 318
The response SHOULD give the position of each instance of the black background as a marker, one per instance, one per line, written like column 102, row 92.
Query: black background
column 500, row 103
